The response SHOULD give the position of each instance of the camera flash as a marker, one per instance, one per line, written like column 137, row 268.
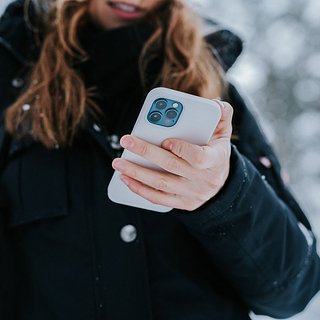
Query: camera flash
column 175, row 105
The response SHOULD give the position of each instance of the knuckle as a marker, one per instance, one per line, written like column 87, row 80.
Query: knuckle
column 200, row 159
column 216, row 183
column 212, row 183
column 132, row 173
column 162, row 184
column 171, row 165
column 143, row 149
column 180, row 148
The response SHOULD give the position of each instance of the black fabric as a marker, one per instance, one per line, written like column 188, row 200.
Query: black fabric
column 23, row 44
column 62, row 255
column 226, row 47
column 5, row 142
column 112, row 70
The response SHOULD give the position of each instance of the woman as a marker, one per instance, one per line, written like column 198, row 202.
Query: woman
column 73, row 78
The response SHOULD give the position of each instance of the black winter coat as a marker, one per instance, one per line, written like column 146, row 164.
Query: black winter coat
column 67, row 252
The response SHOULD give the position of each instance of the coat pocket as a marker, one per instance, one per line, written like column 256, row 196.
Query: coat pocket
column 36, row 186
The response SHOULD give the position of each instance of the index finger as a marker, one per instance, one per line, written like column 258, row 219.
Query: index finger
column 199, row 157
column 157, row 155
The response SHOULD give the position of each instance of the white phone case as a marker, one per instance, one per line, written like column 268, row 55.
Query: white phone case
column 196, row 125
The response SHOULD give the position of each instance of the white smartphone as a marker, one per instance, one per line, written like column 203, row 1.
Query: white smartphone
column 166, row 113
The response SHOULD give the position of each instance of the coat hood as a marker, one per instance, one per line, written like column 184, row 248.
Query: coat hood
column 17, row 34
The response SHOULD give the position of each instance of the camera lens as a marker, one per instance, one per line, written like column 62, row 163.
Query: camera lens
column 161, row 104
column 155, row 117
column 171, row 113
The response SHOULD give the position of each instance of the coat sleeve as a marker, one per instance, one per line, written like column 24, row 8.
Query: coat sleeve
column 257, row 235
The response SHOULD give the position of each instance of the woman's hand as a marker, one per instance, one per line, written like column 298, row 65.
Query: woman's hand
column 193, row 174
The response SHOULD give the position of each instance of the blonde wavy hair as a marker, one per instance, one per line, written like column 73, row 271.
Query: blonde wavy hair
column 59, row 99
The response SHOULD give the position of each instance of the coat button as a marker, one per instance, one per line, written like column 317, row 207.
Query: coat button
column 26, row 107
column 266, row 162
column 96, row 128
column 128, row 233
column 114, row 142
column 17, row 82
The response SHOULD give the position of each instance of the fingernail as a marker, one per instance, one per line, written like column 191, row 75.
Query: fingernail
column 118, row 165
column 221, row 104
column 168, row 145
column 127, row 142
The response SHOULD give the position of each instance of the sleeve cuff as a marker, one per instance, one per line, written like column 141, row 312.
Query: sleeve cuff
column 224, row 200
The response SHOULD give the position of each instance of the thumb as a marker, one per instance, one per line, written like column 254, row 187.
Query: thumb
column 224, row 127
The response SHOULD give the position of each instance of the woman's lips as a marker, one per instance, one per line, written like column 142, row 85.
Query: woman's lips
column 126, row 10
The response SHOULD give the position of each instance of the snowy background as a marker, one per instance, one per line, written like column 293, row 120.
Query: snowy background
column 279, row 72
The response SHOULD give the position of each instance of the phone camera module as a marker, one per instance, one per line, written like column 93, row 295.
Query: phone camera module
column 161, row 104
column 164, row 112
column 171, row 113
column 155, row 117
